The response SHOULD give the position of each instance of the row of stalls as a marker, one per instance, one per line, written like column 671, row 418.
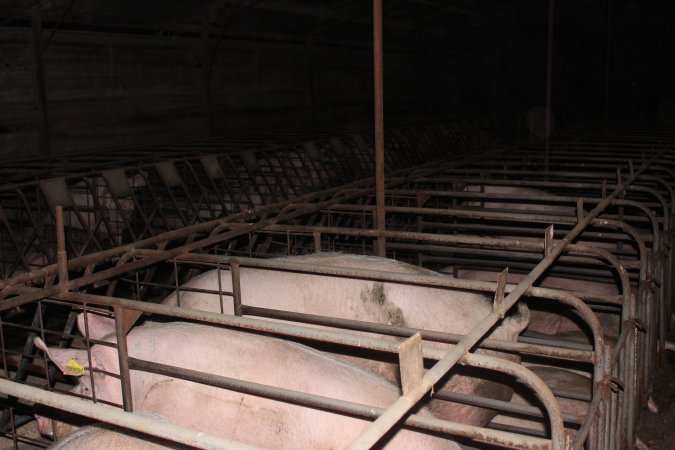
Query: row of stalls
column 580, row 233
column 127, row 195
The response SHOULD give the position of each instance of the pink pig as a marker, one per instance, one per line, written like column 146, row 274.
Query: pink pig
column 240, row 417
column 450, row 311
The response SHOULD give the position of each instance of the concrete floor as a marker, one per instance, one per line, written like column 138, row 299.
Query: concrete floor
column 658, row 430
column 30, row 430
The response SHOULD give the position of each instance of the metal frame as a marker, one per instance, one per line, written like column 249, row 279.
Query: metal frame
column 636, row 208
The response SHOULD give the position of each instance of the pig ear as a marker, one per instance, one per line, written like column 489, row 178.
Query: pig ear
column 518, row 319
column 138, row 180
column 69, row 361
column 98, row 326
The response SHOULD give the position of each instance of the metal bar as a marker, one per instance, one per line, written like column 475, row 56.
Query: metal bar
column 584, row 355
column 236, row 287
column 123, row 353
column 379, row 125
column 61, row 255
column 411, row 362
column 114, row 416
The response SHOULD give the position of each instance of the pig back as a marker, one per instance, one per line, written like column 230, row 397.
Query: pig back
column 265, row 360
column 435, row 309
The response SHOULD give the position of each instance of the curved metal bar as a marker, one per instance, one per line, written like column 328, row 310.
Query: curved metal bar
column 521, row 373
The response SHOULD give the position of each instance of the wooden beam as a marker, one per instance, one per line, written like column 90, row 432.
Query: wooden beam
column 39, row 80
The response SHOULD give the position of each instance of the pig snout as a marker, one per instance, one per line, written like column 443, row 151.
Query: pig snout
column 44, row 425
column 515, row 321
column 519, row 319
column 53, row 429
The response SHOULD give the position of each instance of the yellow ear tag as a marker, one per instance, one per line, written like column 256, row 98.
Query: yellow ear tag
column 75, row 367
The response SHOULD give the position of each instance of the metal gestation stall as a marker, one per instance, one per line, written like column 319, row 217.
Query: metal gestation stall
column 127, row 195
column 602, row 212
column 131, row 194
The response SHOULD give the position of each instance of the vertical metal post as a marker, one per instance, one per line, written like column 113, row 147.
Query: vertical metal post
column 236, row 287
column 61, row 255
column 123, row 353
column 39, row 80
column 549, row 81
column 379, row 126
column 608, row 59
column 317, row 241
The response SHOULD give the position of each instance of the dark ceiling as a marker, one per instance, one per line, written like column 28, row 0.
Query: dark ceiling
column 436, row 25
column 611, row 59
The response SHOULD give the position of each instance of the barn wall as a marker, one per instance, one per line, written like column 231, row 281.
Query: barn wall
column 113, row 89
column 125, row 87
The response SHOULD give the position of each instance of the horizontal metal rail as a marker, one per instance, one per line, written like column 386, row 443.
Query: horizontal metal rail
column 114, row 416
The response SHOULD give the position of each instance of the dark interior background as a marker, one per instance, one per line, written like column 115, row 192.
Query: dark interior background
column 128, row 72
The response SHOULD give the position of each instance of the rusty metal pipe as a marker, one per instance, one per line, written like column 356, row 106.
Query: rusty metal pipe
column 236, row 288
column 436, row 336
column 61, row 254
column 123, row 355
